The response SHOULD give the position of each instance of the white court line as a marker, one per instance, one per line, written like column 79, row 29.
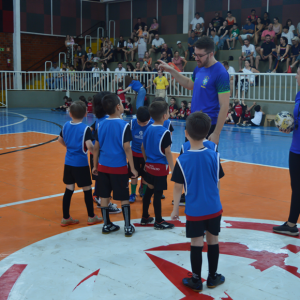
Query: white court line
column 11, row 148
column 25, row 119
column 44, row 133
column 247, row 163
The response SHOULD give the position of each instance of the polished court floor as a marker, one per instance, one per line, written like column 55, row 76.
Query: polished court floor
column 41, row 260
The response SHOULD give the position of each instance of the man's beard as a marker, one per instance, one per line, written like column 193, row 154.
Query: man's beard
column 205, row 62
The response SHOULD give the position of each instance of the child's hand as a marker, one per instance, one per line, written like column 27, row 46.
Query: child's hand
column 175, row 215
column 135, row 173
column 254, row 103
column 95, row 171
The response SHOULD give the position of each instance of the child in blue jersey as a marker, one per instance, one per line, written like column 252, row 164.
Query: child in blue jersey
column 77, row 138
column 138, row 126
column 113, row 142
column 156, row 150
column 100, row 115
column 197, row 170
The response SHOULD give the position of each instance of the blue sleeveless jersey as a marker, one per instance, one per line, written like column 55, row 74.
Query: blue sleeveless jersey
column 153, row 137
column 73, row 135
column 206, row 143
column 111, row 139
column 137, row 134
column 97, row 122
column 200, row 170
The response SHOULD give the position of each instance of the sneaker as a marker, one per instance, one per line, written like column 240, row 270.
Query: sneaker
column 230, row 48
column 214, row 282
column 195, row 286
column 145, row 221
column 129, row 230
column 163, row 225
column 286, row 229
column 248, row 125
column 132, row 198
column 113, row 208
column 163, row 197
column 94, row 220
column 67, row 222
column 106, row 229
column 97, row 200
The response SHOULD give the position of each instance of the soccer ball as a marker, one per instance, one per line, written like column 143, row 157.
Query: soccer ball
column 284, row 120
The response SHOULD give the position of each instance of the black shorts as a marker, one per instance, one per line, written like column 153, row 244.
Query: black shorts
column 116, row 183
column 94, row 177
column 79, row 175
column 139, row 165
column 196, row 228
column 159, row 182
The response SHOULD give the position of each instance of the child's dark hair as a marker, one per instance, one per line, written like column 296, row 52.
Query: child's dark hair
column 66, row 98
column 143, row 114
column 173, row 98
column 82, row 98
column 198, row 125
column 109, row 103
column 97, row 104
column 257, row 108
column 120, row 84
column 90, row 99
column 128, row 99
column 184, row 102
column 157, row 109
column 78, row 109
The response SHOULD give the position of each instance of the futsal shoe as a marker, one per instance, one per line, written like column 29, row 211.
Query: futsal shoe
column 94, row 220
column 106, row 229
column 97, row 200
column 163, row 197
column 163, row 225
column 195, row 286
column 129, row 230
column 132, row 198
column 113, row 209
column 286, row 229
column 67, row 222
column 214, row 282
column 145, row 221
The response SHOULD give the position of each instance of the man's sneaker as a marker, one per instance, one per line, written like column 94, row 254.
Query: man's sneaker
column 195, row 286
column 141, row 191
column 129, row 230
column 145, row 221
column 94, row 220
column 113, row 209
column 132, row 198
column 163, row 196
column 214, row 282
column 286, row 229
column 163, row 225
column 106, row 229
column 67, row 222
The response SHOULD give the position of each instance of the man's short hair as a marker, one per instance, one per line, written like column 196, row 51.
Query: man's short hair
column 110, row 102
column 65, row 97
column 139, row 18
column 213, row 30
column 257, row 108
column 229, row 12
column 120, row 84
column 164, row 52
column 225, row 63
column 79, row 46
column 246, row 40
column 78, row 109
column 252, row 10
column 268, row 35
column 120, row 63
column 197, row 13
column 143, row 114
column 205, row 43
column 285, row 27
column 128, row 99
column 198, row 125
column 236, row 24
column 157, row 109
column 248, row 19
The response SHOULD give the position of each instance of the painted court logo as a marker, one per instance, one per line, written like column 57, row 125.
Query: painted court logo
column 83, row 264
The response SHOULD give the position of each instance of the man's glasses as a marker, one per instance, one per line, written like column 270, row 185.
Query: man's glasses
column 200, row 56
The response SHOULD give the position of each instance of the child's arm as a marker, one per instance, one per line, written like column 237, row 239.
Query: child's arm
column 176, row 196
column 144, row 152
column 90, row 146
column 61, row 140
column 96, row 157
column 169, row 157
column 129, row 156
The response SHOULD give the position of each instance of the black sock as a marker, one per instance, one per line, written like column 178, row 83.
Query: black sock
column 126, row 214
column 66, row 203
column 105, row 215
column 146, row 202
column 157, row 206
column 213, row 259
column 88, row 198
column 196, row 262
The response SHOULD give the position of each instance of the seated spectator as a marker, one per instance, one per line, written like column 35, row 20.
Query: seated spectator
column 119, row 76
column 277, row 27
column 258, row 114
column 177, row 61
column 96, row 75
column 198, row 30
column 258, row 31
column 269, row 31
column 295, row 52
column 288, row 34
column 291, row 27
column 209, row 29
column 216, row 39
column 191, row 41
column 52, row 81
column 298, row 29
column 128, row 107
column 121, row 95
column 223, row 33
column 217, row 21
column 247, row 32
column 64, row 106
column 173, row 108
column 136, row 27
column 137, row 69
column 90, row 55
column 281, row 53
column 165, row 58
column 235, row 32
column 108, row 53
column 156, row 44
column 182, row 111
column 161, row 83
column 156, row 67
column 266, row 21
column 153, row 30
column 229, row 119
column 230, row 20
column 265, row 53
column 147, row 58
column 168, row 50
column 129, row 68
column 188, row 110
column 248, row 53
column 195, row 21
column 121, row 47
column 181, row 50
column 253, row 17
column 129, row 49
column 237, row 111
column 135, row 48
column 246, row 115
column 80, row 56
column 231, row 72
column 104, row 78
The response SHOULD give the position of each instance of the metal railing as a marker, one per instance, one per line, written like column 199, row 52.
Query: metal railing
column 98, row 36
column 65, row 57
column 85, row 41
column 114, row 30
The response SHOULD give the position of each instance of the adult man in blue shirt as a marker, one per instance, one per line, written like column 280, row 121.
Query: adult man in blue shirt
column 191, row 41
column 247, row 32
column 210, row 84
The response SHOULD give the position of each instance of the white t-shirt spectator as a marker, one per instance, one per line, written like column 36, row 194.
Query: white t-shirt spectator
column 96, row 72
column 231, row 70
column 52, row 69
column 257, row 118
column 289, row 36
column 196, row 21
column 124, row 44
column 129, row 45
column 158, row 42
column 291, row 28
column 248, row 50
column 120, row 73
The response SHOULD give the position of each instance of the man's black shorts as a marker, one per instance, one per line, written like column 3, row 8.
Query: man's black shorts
column 159, row 182
column 116, row 183
column 79, row 175
column 139, row 165
column 196, row 228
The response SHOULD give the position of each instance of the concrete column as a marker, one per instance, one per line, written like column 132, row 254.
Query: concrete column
column 17, row 44
column 189, row 7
